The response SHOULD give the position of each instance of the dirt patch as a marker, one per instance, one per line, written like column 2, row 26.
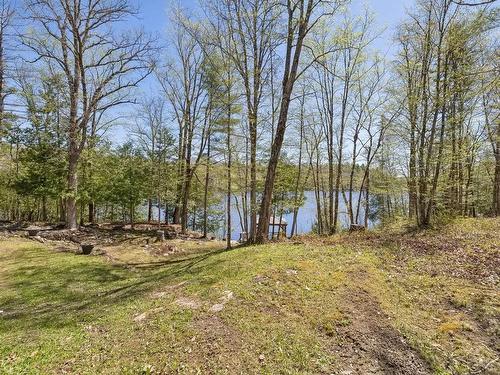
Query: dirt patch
column 187, row 303
column 461, row 257
column 165, row 250
column 472, row 254
column 217, row 347
column 368, row 344
column 469, row 324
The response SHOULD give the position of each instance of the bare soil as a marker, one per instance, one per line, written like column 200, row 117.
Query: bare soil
column 368, row 344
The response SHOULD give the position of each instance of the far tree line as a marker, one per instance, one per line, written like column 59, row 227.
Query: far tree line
column 253, row 103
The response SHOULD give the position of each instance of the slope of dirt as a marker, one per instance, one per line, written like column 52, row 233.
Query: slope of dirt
column 368, row 344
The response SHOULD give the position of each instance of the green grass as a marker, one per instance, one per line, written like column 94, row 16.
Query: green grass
column 79, row 314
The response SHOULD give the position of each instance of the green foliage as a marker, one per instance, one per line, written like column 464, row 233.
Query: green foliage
column 284, row 190
column 43, row 171
column 128, row 175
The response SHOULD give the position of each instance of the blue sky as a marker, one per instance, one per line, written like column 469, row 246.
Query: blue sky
column 153, row 17
column 153, row 13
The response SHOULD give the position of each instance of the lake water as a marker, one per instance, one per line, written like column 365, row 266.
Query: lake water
column 306, row 218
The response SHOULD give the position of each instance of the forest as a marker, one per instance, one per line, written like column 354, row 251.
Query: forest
column 294, row 125
column 251, row 103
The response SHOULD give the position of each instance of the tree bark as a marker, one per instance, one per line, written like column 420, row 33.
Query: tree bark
column 205, row 194
column 150, row 210
column 91, row 208
column 72, row 186
column 289, row 78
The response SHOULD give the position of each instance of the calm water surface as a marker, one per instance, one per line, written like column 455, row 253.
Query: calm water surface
column 306, row 218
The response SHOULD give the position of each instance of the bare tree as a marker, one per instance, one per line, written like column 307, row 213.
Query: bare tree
column 473, row 3
column 6, row 19
column 251, row 29
column 100, row 66
column 438, row 60
column 182, row 81
column 490, row 105
column 302, row 16
column 325, row 78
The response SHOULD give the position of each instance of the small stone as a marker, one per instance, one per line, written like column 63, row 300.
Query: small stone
column 186, row 303
column 228, row 295
column 259, row 279
column 262, row 357
column 159, row 294
column 217, row 307
column 139, row 318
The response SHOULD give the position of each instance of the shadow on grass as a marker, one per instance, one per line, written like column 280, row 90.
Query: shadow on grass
column 58, row 293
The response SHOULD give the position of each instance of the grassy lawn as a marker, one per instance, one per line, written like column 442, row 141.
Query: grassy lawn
column 380, row 302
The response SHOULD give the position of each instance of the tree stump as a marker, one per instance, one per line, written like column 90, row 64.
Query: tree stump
column 87, row 248
column 160, row 235
column 243, row 237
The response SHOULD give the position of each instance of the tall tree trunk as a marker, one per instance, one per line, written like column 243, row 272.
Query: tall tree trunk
column 180, row 175
column 265, row 206
column 91, row 208
column 159, row 211
column 44, row 209
column 299, row 171
column 131, row 215
column 331, row 173
column 435, row 180
column 351, row 178
column 253, row 177
column 338, row 177
column 150, row 210
column 62, row 210
column 71, row 218
column 412, row 178
column 496, row 180
column 82, row 213
column 367, row 201
column 317, row 195
column 245, row 223
column 205, row 194
column 229, row 161
column 185, row 201
column 279, row 227
column 289, row 78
